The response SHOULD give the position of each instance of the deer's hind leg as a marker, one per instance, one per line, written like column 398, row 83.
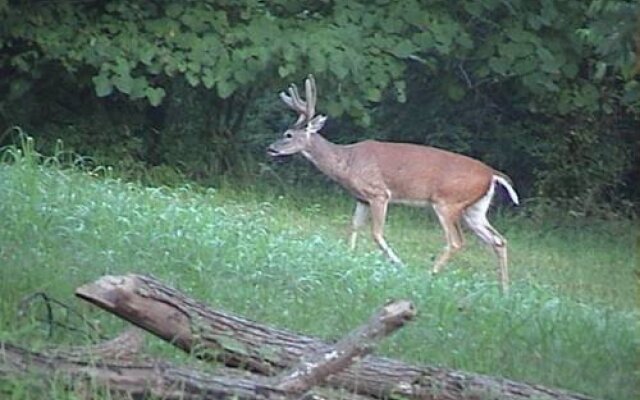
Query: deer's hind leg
column 476, row 218
column 449, row 217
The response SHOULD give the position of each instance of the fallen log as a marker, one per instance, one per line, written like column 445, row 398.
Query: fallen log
column 132, row 379
column 126, row 346
column 238, row 342
column 118, row 366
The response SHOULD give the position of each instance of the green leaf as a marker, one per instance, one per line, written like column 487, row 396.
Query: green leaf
column 334, row 108
column 424, row 40
column 535, row 82
column 631, row 92
column 174, row 9
column 549, row 62
column 146, row 55
column 289, row 53
column 285, row 70
column 483, row 71
column 103, row 85
column 373, row 94
column 499, row 65
column 564, row 104
column 182, row 65
column 242, row 76
column 317, row 59
column 549, row 11
column 139, row 87
column 473, row 8
column 194, row 66
column 587, row 96
column 192, row 78
column 124, row 83
column 208, row 79
column 339, row 70
column 122, row 67
column 570, row 70
column 225, row 88
column 465, row 41
column 365, row 119
column 520, row 35
column 403, row 49
column 155, row 95
column 523, row 66
column 601, row 69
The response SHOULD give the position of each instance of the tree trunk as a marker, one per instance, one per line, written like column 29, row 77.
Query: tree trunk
column 238, row 342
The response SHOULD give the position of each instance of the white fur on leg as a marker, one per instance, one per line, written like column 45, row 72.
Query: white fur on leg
column 359, row 218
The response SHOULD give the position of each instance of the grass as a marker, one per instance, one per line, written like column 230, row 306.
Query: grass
column 570, row 320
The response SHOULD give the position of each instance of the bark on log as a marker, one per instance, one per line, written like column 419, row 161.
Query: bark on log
column 133, row 379
column 117, row 366
column 126, row 346
column 238, row 342
column 314, row 368
column 113, row 364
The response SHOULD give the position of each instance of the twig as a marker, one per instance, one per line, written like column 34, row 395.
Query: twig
column 26, row 304
column 313, row 369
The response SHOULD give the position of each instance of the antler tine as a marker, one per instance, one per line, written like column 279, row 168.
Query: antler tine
column 310, row 92
column 293, row 100
column 286, row 99
column 297, row 101
column 305, row 109
column 298, row 105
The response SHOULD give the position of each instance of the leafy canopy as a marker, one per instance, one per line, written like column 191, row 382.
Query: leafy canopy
column 558, row 50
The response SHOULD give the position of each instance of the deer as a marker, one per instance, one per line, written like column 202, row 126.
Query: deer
column 378, row 173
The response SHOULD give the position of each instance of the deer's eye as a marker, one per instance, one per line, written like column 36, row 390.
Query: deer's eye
column 288, row 135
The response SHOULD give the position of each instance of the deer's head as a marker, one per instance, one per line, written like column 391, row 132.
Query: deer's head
column 298, row 137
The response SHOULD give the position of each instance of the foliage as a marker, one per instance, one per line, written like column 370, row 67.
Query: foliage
column 136, row 48
column 541, row 90
column 194, row 82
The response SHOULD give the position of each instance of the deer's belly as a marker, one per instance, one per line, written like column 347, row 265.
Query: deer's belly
column 409, row 202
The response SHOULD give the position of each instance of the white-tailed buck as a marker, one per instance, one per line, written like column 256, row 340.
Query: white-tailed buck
column 379, row 173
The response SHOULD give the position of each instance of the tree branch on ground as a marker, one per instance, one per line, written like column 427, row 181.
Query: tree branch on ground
column 237, row 342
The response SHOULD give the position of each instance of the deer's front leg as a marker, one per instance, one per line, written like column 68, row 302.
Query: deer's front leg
column 378, row 215
column 359, row 218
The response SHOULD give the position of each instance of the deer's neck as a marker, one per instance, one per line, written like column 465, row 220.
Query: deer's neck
column 330, row 158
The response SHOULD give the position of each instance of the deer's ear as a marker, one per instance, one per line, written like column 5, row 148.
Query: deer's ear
column 316, row 124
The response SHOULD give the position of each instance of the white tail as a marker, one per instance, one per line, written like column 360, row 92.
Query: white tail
column 506, row 183
column 379, row 173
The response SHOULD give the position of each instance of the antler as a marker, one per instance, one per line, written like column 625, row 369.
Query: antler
column 305, row 109
column 310, row 91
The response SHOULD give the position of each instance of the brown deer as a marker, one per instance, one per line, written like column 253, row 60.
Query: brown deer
column 378, row 173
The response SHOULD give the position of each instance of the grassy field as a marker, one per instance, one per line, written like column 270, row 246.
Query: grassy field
column 571, row 319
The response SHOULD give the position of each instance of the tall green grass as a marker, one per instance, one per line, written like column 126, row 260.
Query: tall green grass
column 570, row 320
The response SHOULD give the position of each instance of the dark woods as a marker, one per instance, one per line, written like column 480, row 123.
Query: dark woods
column 545, row 90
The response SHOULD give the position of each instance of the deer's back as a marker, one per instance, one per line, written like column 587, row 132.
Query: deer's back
column 419, row 174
